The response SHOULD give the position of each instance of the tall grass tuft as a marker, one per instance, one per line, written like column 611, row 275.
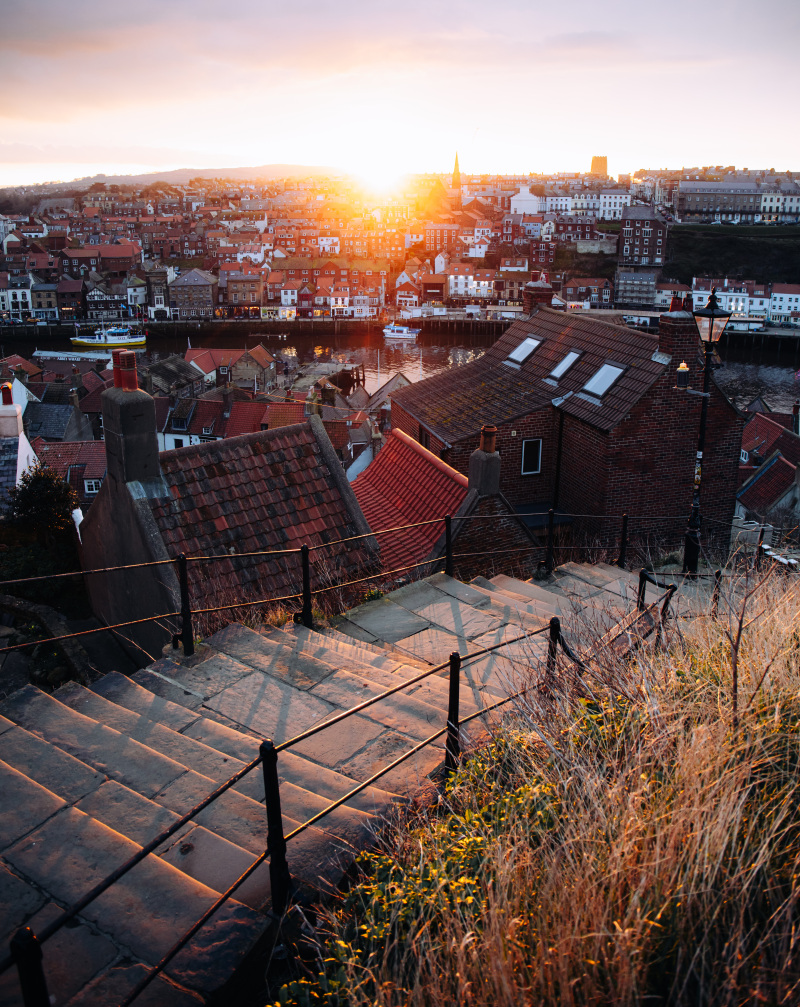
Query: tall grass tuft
column 622, row 842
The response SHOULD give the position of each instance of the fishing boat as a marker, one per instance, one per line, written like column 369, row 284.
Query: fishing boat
column 114, row 337
column 393, row 331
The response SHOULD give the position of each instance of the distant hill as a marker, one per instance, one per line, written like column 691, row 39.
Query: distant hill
column 179, row 176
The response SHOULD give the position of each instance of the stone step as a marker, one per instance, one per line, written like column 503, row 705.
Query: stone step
column 446, row 611
column 292, row 768
column 524, row 590
column 25, row 805
column 104, row 749
column 72, row 957
column 115, row 983
column 379, row 649
column 193, row 850
column 536, row 603
column 146, row 910
column 317, row 857
column 187, row 751
column 335, row 650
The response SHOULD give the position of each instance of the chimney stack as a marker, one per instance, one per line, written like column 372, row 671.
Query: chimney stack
column 10, row 415
column 129, row 425
column 227, row 401
column 484, row 464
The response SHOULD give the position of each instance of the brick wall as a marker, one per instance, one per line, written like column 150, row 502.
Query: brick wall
column 513, row 552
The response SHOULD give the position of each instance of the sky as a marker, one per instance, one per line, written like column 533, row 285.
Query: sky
column 380, row 88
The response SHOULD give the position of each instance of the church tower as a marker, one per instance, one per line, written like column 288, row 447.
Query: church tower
column 456, row 175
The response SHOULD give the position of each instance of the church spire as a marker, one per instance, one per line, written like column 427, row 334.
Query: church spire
column 456, row 175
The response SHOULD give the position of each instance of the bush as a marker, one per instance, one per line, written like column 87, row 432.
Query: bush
column 43, row 502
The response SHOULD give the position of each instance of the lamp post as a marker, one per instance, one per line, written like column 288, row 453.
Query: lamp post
column 710, row 321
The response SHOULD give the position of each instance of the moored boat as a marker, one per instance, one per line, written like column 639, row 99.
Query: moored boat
column 116, row 336
column 393, row 331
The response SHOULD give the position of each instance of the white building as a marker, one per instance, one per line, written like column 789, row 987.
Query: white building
column 784, row 303
column 612, row 203
column 526, row 201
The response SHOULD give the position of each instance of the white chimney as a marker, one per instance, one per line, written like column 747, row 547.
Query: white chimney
column 10, row 415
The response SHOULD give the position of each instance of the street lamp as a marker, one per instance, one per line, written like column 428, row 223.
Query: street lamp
column 710, row 321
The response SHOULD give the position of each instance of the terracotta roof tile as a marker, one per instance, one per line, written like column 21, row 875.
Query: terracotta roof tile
column 258, row 491
column 406, row 484
column 768, row 485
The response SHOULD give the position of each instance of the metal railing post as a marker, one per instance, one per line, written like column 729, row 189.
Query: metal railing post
column 550, row 556
column 448, row 538
column 27, row 953
column 187, row 634
column 453, row 747
column 623, row 542
column 642, row 589
column 552, row 646
column 279, row 876
column 306, row 615
column 715, row 594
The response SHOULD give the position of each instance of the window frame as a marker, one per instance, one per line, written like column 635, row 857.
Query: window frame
column 575, row 354
column 608, row 363
column 538, row 471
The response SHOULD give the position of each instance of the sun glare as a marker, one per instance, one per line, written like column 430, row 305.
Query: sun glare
column 379, row 179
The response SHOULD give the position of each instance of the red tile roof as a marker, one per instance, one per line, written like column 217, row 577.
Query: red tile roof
column 406, row 484
column 272, row 490
column 765, row 435
column 283, row 414
column 245, row 418
column 60, row 455
column 770, row 483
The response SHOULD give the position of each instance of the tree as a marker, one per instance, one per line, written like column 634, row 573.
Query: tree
column 44, row 502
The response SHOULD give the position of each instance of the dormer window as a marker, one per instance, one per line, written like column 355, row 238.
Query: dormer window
column 523, row 352
column 600, row 383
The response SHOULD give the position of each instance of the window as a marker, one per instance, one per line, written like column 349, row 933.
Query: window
column 92, row 485
column 531, row 457
column 600, row 383
column 522, row 352
column 564, row 365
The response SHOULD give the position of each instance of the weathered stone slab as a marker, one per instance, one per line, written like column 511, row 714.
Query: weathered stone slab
column 275, row 709
column 24, row 805
column 386, row 620
column 72, row 957
column 211, row 676
column 456, row 589
column 121, row 690
column 65, row 776
column 433, row 645
column 127, row 812
column 115, row 984
column 406, row 777
column 167, row 689
column 401, row 712
column 339, row 742
column 72, row 852
column 18, row 902
column 276, row 656
column 108, row 751
column 330, row 785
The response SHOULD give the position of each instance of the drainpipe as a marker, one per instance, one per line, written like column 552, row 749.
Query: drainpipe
column 557, row 482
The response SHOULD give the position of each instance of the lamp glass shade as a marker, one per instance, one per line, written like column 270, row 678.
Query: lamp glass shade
column 711, row 320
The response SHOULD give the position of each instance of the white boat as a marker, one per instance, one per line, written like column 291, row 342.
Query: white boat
column 116, row 336
column 393, row 331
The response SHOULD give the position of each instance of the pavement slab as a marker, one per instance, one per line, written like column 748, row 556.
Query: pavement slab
column 127, row 812
column 59, row 772
column 116, row 983
column 211, row 676
column 272, row 654
column 433, row 645
column 386, row 620
column 339, row 742
column 166, row 687
column 24, row 807
column 274, row 708
column 18, row 902
column 106, row 750
column 121, row 690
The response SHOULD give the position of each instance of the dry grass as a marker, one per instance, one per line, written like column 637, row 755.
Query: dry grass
column 621, row 843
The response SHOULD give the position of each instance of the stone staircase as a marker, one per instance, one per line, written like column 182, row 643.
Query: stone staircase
column 89, row 775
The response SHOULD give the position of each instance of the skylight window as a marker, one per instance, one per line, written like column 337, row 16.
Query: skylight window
column 603, row 380
column 523, row 351
column 563, row 366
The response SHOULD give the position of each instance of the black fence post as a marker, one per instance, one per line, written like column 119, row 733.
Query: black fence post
column 550, row 557
column 187, row 634
column 453, row 747
column 448, row 538
column 640, row 604
column 552, row 646
column 279, row 876
column 715, row 595
column 623, row 543
column 27, row 953
column 306, row 615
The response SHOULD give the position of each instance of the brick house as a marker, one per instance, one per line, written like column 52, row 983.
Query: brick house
column 193, row 295
column 589, row 420
column 598, row 291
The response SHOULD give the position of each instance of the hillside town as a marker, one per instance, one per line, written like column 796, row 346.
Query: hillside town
column 322, row 248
